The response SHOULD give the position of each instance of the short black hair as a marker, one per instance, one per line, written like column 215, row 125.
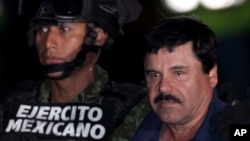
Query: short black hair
column 175, row 31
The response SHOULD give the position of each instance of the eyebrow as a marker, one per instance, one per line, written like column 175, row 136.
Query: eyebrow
column 179, row 67
column 149, row 70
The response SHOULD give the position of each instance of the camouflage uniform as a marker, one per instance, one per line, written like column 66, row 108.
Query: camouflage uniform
column 132, row 120
column 91, row 95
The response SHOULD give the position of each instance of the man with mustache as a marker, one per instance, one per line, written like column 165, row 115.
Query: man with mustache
column 77, row 100
column 181, row 76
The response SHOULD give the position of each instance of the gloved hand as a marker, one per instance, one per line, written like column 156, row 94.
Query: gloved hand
column 236, row 114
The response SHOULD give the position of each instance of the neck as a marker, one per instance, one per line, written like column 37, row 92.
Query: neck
column 65, row 90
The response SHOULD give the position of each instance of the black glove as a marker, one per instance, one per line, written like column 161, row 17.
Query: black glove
column 236, row 114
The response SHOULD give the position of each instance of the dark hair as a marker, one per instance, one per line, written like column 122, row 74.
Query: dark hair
column 172, row 32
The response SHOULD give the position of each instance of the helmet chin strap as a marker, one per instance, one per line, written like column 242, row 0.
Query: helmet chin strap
column 67, row 67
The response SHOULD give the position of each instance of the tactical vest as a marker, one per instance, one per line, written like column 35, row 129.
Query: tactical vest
column 117, row 98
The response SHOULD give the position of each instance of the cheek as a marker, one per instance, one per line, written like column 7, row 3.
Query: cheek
column 40, row 50
column 40, row 40
column 72, row 47
column 76, row 41
column 152, row 92
column 41, row 53
column 193, row 90
column 39, row 45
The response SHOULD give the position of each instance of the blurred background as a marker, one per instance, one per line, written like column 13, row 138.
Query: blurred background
column 229, row 19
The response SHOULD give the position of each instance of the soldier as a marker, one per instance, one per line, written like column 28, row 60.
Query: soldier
column 76, row 101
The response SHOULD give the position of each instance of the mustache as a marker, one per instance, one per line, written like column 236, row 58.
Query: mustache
column 167, row 97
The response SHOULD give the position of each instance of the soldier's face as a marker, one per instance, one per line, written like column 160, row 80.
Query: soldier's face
column 58, row 44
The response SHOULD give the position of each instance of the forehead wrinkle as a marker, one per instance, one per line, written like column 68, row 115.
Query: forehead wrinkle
column 179, row 67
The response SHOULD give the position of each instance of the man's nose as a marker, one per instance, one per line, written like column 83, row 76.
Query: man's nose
column 51, row 40
column 166, row 85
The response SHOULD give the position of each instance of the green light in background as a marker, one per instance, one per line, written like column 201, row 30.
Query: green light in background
column 224, row 22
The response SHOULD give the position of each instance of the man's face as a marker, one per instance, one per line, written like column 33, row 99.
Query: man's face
column 178, row 74
column 59, row 43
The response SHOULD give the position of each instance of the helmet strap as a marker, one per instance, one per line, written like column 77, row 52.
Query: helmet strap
column 66, row 68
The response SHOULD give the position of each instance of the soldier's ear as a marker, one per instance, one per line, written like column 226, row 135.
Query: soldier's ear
column 101, row 37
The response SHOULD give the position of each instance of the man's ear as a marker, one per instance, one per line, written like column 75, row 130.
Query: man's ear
column 101, row 37
column 213, row 76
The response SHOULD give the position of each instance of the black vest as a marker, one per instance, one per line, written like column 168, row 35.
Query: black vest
column 117, row 100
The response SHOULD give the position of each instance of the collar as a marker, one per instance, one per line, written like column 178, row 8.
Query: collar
column 89, row 95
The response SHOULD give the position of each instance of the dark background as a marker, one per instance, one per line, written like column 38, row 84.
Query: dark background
column 20, row 62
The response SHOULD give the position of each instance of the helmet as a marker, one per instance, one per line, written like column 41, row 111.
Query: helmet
column 111, row 15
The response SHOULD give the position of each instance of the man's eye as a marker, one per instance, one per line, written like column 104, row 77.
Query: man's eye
column 178, row 73
column 153, row 74
column 156, row 74
column 41, row 29
column 64, row 28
